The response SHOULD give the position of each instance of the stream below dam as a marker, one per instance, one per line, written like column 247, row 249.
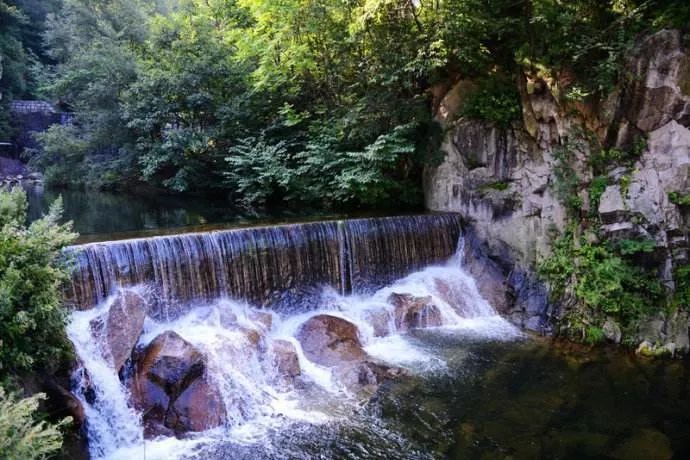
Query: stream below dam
column 335, row 339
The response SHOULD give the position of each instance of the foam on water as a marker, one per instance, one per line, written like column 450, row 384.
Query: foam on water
column 242, row 369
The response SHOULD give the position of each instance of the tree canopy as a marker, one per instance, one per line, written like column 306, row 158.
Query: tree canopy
column 319, row 102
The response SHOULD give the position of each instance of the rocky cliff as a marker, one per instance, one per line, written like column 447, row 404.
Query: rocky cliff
column 508, row 183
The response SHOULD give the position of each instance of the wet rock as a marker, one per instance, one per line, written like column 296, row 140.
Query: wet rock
column 285, row 358
column 664, row 335
column 62, row 403
column 172, row 388
column 171, row 363
column 645, row 444
column 453, row 296
column 414, row 312
column 200, row 407
column 262, row 318
column 380, row 321
column 330, row 341
column 124, row 325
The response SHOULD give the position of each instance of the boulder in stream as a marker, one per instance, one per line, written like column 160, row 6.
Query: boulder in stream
column 119, row 331
column 330, row 341
column 171, row 387
column 414, row 312
column 199, row 408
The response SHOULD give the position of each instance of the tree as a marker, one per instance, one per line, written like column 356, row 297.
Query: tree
column 32, row 271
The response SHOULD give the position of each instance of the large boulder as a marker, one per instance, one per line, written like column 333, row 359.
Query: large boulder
column 330, row 341
column 199, row 408
column 172, row 389
column 414, row 312
column 171, row 362
column 119, row 331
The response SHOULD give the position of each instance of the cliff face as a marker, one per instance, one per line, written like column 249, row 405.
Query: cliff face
column 505, row 181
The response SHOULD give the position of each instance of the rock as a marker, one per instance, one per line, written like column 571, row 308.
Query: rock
column 414, row 312
column 660, row 92
column 171, row 363
column 644, row 444
column 172, row 389
column 62, row 403
column 451, row 295
column 611, row 206
column 285, row 359
column 380, row 321
column 262, row 318
column 330, row 341
column 612, row 331
column 511, row 241
column 123, row 326
column 200, row 407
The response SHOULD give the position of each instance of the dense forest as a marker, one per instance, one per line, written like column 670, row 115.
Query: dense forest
column 323, row 103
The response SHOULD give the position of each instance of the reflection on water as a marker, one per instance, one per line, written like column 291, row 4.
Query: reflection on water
column 99, row 216
column 527, row 399
column 533, row 399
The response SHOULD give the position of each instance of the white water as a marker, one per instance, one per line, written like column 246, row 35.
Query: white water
column 256, row 398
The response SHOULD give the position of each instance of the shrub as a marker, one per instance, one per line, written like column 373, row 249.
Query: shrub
column 679, row 199
column 596, row 190
column 495, row 100
column 21, row 437
column 682, row 295
column 31, row 274
column 603, row 281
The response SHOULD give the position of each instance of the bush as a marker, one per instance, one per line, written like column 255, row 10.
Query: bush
column 21, row 437
column 603, row 280
column 495, row 100
column 31, row 274
column 596, row 190
column 679, row 199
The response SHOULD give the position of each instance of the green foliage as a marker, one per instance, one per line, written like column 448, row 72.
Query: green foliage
column 602, row 281
column 316, row 172
column 629, row 247
column 31, row 275
column 500, row 186
column 594, row 335
column 605, row 159
column 495, row 100
column 679, row 198
column 681, row 275
column 165, row 91
column 21, row 437
column 596, row 189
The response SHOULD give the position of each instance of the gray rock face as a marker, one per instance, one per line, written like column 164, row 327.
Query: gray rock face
column 503, row 180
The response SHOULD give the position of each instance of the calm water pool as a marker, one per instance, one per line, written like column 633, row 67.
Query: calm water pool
column 100, row 216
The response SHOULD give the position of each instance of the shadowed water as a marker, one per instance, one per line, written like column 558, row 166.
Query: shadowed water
column 525, row 399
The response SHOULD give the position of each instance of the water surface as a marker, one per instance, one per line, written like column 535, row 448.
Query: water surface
column 104, row 216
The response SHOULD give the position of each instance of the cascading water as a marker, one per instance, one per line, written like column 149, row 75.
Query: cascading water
column 262, row 388
column 270, row 266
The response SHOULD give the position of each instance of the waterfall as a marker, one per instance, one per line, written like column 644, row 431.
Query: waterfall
column 380, row 278
column 268, row 266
